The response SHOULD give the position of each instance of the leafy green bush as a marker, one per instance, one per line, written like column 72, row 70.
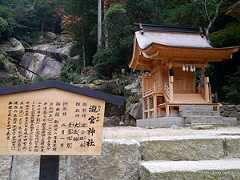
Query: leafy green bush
column 2, row 66
column 7, row 22
column 232, row 88
column 229, row 36
column 70, row 73
column 3, row 25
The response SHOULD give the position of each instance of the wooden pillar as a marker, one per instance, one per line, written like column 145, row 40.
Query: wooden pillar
column 148, row 107
column 167, row 110
column 155, row 106
column 143, row 101
column 171, row 88
column 170, row 80
column 206, row 89
column 206, row 84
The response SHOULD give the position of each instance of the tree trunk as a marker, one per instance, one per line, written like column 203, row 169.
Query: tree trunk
column 99, row 24
column 84, row 56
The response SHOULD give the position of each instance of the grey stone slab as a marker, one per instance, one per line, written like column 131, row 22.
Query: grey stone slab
column 25, row 168
column 232, row 147
column 5, row 167
column 182, row 149
column 120, row 160
column 230, row 121
column 63, row 167
column 191, row 170
column 218, row 120
column 198, row 110
column 164, row 122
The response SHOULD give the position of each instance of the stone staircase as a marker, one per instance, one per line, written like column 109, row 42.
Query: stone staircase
column 191, row 158
column 205, row 115
column 195, row 116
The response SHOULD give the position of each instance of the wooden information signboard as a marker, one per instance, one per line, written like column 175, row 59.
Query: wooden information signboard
column 51, row 119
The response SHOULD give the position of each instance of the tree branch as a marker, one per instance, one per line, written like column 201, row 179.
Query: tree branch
column 206, row 10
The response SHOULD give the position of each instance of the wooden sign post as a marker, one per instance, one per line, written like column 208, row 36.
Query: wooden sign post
column 52, row 118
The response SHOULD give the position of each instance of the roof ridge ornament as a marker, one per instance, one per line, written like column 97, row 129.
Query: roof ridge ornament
column 202, row 32
column 141, row 28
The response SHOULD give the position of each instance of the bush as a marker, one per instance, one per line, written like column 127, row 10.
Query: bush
column 229, row 36
column 232, row 88
column 7, row 22
column 3, row 26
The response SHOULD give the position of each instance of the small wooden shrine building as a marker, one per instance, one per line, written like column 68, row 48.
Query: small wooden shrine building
column 173, row 61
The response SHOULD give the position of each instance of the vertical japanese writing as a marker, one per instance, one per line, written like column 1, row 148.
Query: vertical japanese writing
column 34, row 126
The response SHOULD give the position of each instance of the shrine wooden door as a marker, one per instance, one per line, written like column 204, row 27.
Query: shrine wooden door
column 184, row 82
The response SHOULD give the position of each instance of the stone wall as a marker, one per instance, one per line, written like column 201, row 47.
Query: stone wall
column 230, row 111
column 120, row 160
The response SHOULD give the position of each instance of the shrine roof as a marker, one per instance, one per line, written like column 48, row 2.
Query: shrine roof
column 154, row 43
column 116, row 100
column 170, row 36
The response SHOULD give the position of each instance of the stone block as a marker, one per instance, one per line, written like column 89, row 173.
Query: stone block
column 120, row 160
column 164, row 122
column 232, row 147
column 5, row 166
column 25, row 168
column 182, row 148
column 191, row 170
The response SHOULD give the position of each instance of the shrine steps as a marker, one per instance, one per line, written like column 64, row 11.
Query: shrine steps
column 189, row 99
column 191, row 148
column 210, row 120
column 191, row 170
column 198, row 110
column 162, row 122
column 191, row 157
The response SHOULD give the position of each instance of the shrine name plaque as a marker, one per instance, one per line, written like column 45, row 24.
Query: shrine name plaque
column 50, row 122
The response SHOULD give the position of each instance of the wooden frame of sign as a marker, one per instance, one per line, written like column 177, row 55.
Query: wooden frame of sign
column 52, row 118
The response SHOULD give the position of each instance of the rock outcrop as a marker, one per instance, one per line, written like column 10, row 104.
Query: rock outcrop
column 45, row 60
column 13, row 48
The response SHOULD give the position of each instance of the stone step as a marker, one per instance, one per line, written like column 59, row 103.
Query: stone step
column 163, row 122
column 190, row 148
column 191, row 170
column 214, row 120
column 201, row 110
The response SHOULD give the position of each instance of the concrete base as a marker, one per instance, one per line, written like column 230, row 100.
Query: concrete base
column 164, row 122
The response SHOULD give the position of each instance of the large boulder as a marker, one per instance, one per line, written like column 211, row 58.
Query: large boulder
column 13, row 48
column 41, row 65
column 45, row 60
column 136, row 111
column 112, row 121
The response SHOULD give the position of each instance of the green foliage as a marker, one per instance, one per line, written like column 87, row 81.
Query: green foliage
column 3, row 25
column 26, row 18
column 232, row 88
column 229, row 36
column 2, row 65
column 11, row 80
column 85, row 30
column 7, row 22
column 70, row 72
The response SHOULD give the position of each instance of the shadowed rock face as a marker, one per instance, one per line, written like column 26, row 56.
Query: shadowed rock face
column 45, row 60
column 13, row 48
